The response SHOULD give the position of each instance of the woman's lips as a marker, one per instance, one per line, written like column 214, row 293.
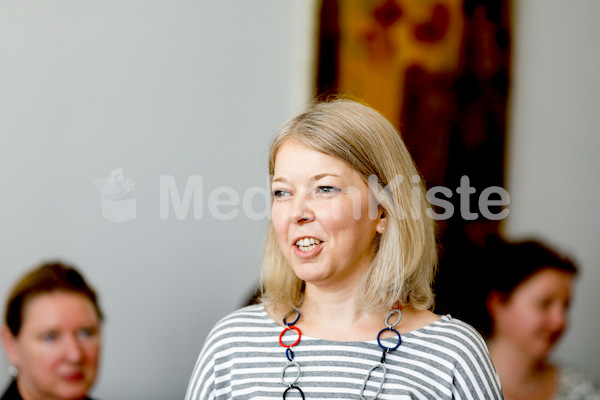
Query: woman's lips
column 308, row 251
column 75, row 376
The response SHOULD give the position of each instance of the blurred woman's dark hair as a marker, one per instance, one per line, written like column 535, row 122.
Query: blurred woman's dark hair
column 509, row 264
column 47, row 278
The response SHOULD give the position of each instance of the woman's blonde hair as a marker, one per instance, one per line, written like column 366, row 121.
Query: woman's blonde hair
column 406, row 254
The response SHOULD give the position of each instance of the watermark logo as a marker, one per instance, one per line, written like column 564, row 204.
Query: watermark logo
column 115, row 190
column 224, row 203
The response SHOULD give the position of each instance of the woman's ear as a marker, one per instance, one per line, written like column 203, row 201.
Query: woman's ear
column 495, row 302
column 9, row 341
column 382, row 221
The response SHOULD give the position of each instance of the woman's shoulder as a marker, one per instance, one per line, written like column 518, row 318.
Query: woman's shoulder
column 244, row 321
column 446, row 325
column 450, row 336
column 11, row 393
column 250, row 326
column 249, row 314
column 575, row 384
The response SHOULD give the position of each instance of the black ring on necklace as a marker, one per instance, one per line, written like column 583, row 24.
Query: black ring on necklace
column 293, row 387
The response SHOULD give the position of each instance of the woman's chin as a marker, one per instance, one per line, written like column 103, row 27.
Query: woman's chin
column 541, row 351
column 74, row 391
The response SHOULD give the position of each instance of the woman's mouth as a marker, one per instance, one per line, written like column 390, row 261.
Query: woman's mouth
column 308, row 247
column 73, row 376
column 307, row 244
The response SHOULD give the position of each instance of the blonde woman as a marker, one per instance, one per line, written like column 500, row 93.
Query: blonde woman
column 346, row 279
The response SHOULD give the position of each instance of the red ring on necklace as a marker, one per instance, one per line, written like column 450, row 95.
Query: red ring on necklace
column 287, row 328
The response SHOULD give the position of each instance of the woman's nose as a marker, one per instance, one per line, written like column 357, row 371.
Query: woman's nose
column 73, row 349
column 559, row 318
column 300, row 210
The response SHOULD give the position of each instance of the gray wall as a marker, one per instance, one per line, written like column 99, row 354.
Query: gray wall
column 156, row 88
column 553, row 157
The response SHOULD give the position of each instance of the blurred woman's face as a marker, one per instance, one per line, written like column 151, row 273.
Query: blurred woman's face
column 321, row 216
column 57, row 349
column 535, row 316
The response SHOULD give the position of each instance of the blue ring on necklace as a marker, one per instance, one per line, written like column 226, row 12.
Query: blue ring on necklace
column 295, row 310
column 289, row 354
column 388, row 348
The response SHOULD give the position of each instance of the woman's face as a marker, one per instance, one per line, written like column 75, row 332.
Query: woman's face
column 535, row 315
column 57, row 349
column 321, row 216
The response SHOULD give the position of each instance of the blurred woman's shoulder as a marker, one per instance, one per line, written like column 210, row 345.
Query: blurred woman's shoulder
column 11, row 393
column 574, row 384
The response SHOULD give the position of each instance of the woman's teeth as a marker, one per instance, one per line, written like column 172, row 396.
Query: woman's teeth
column 307, row 244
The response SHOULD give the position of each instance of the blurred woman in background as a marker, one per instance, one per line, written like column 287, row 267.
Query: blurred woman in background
column 530, row 291
column 51, row 335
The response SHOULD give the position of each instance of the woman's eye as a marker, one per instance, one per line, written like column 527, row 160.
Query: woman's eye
column 544, row 304
column 86, row 332
column 280, row 193
column 49, row 336
column 327, row 189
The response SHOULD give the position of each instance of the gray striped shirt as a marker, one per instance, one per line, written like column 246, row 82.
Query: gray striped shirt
column 242, row 359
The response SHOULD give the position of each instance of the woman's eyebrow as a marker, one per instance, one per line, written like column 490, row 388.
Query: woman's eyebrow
column 321, row 176
column 314, row 178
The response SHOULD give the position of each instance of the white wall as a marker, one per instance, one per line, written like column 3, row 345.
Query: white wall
column 553, row 150
column 156, row 88
column 196, row 88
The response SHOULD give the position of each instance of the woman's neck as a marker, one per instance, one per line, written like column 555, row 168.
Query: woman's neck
column 521, row 376
column 334, row 315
